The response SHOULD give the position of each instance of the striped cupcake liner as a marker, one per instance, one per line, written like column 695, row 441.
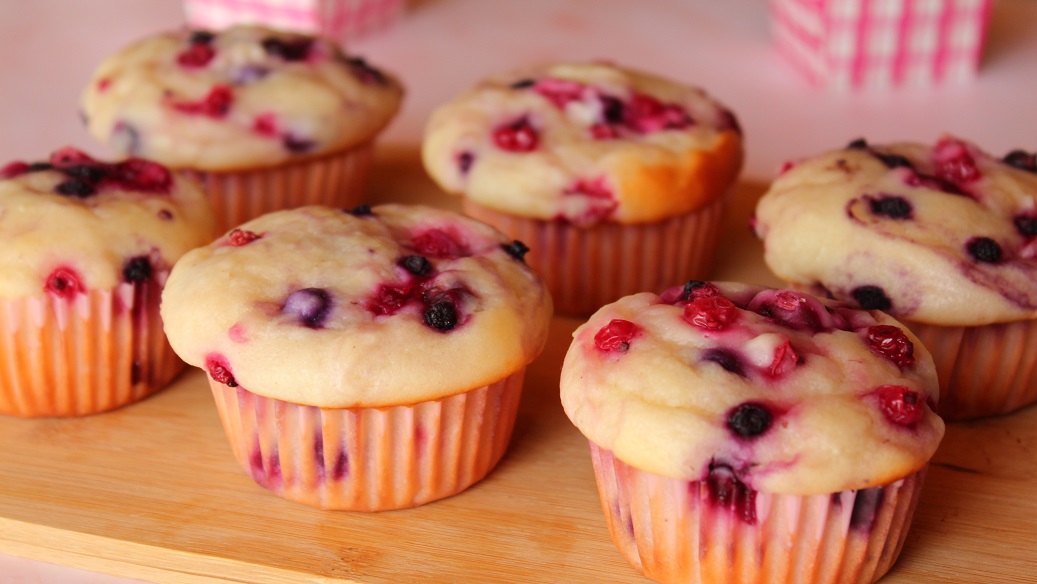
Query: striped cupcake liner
column 674, row 530
column 334, row 180
column 983, row 370
column 586, row 268
column 336, row 19
column 95, row 352
column 370, row 459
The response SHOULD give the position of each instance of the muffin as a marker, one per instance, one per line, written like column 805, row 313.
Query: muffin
column 363, row 360
column 265, row 119
column 87, row 248
column 744, row 434
column 616, row 177
column 941, row 236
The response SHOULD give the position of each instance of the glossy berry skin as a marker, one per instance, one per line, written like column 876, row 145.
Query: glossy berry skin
column 711, row 312
column 516, row 249
column 891, row 342
column 416, row 265
column 749, row 420
column 137, row 269
column 197, row 55
column 518, row 136
column 900, row 405
column 616, row 336
column 219, row 370
column 309, row 306
column 441, row 316
column 984, row 250
column 64, row 282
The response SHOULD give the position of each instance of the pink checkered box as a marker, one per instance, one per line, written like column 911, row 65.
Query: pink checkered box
column 336, row 19
column 881, row 43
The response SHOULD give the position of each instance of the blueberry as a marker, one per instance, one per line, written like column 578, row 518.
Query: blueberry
column 1026, row 225
column 612, row 109
column 310, row 306
column 984, row 249
column 749, row 420
column 289, row 50
column 361, row 210
column 136, row 269
column 249, row 74
column 416, row 265
column 38, row 166
column 689, row 288
column 516, row 249
column 441, row 316
column 891, row 206
column 894, row 161
column 871, row 298
column 86, row 173
column 75, row 188
column 726, row 358
column 464, row 161
column 1022, row 160
column 201, row 37
column 858, row 144
column 523, row 83
column 297, row 145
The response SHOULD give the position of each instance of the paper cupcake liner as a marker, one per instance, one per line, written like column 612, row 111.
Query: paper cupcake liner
column 851, row 44
column 586, row 268
column 983, row 370
column 679, row 531
column 334, row 180
column 336, row 19
column 93, row 353
column 370, row 459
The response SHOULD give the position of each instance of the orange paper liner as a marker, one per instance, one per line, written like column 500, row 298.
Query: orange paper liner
column 334, row 180
column 586, row 268
column 983, row 370
column 673, row 530
column 370, row 459
column 95, row 352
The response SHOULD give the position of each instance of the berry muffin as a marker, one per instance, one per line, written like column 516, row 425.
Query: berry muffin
column 943, row 237
column 616, row 177
column 362, row 360
column 744, row 434
column 265, row 119
column 87, row 248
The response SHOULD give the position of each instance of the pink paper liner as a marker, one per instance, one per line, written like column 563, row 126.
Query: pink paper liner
column 672, row 530
column 334, row 180
column 586, row 268
column 336, row 19
column 864, row 44
column 983, row 370
column 370, row 459
column 98, row 351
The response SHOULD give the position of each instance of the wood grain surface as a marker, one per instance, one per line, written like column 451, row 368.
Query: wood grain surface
column 152, row 492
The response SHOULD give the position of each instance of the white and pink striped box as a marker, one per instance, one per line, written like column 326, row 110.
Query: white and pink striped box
column 340, row 20
column 864, row 44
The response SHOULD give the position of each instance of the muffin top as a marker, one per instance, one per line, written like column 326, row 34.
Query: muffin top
column 943, row 234
column 370, row 307
column 785, row 392
column 243, row 97
column 583, row 143
column 74, row 224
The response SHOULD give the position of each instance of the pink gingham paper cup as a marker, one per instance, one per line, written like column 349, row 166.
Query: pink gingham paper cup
column 335, row 19
column 854, row 44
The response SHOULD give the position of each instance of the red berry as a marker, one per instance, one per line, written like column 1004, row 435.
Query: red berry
column 518, row 136
column 900, row 404
column 711, row 312
column 215, row 104
column 196, row 55
column 891, row 342
column 240, row 237
column 559, row 91
column 604, row 132
column 69, row 156
column 437, row 243
column 390, row 299
column 143, row 175
column 219, row 369
column 265, row 124
column 785, row 359
column 953, row 162
column 64, row 282
column 645, row 114
column 14, row 169
column 616, row 336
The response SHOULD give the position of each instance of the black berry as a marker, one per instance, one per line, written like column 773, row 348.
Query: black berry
column 289, row 50
column 872, row 298
column 891, row 206
column 441, row 316
column 516, row 249
column 416, row 265
column 201, row 37
column 984, row 249
column 749, row 420
column 74, row 187
column 361, row 210
column 464, row 161
column 689, row 287
column 1022, row 160
column 612, row 109
column 894, row 161
column 137, row 269
column 858, row 144
column 86, row 173
column 727, row 359
column 1026, row 224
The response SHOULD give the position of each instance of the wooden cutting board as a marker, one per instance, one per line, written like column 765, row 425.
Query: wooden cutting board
column 152, row 492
